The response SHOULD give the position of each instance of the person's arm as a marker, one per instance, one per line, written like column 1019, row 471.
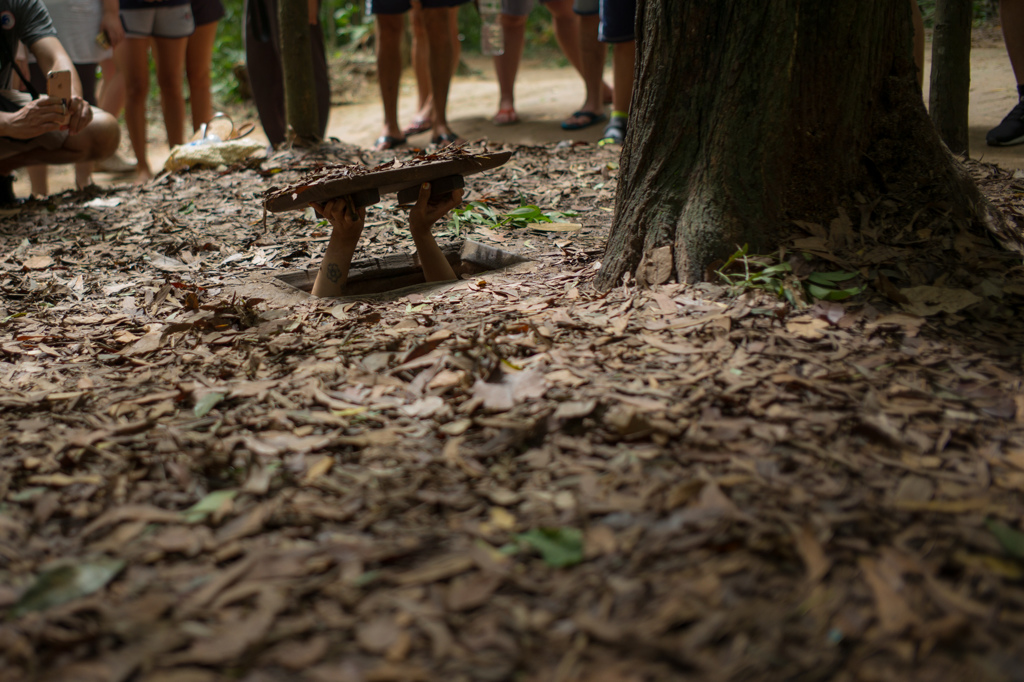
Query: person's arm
column 110, row 23
column 52, row 57
column 333, row 274
column 313, row 12
column 424, row 214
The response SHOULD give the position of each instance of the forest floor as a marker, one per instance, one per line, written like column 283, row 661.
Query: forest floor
column 207, row 475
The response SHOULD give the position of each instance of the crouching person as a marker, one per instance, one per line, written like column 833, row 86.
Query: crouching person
column 36, row 128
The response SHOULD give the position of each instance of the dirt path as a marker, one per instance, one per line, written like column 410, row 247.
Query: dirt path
column 546, row 95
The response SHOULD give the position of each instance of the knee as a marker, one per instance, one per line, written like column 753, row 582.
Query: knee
column 106, row 135
column 436, row 19
column 389, row 28
column 513, row 21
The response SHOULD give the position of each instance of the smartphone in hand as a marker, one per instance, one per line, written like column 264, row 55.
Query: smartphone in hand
column 58, row 86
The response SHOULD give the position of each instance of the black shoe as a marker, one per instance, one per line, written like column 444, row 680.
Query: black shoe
column 1011, row 130
column 614, row 132
column 7, row 197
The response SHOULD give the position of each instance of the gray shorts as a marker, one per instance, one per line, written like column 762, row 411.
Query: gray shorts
column 49, row 141
column 159, row 22
column 518, row 8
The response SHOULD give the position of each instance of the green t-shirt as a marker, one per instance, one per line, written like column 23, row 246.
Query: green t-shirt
column 24, row 20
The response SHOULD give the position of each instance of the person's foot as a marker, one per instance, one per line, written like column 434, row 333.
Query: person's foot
column 445, row 139
column 116, row 164
column 1011, row 130
column 614, row 132
column 419, row 125
column 583, row 119
column 506, row 116
column 386, row 142
column 142, row 174
column 606, row 93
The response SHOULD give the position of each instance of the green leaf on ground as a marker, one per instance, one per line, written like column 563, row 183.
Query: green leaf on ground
column 559, row 547
column 65, row 583
column 208, row 505
column 207, row 403
column 1011, row 540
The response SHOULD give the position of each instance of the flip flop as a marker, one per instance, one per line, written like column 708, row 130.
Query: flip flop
column 418, row 126
column 591, row 117
column 505, row 117
column 445, row 140
column 386, row 142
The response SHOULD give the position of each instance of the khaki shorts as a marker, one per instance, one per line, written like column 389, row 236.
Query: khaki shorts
column 49, row 141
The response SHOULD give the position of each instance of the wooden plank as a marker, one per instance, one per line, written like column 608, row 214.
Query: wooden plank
column 385, row 181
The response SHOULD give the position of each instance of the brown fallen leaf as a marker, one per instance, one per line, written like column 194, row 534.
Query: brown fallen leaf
column 891, row 609
column 472, row 590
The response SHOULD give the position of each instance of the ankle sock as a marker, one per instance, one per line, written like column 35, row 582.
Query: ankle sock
column 625, row 114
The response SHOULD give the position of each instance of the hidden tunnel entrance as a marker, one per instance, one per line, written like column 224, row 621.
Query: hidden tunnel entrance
column 398, row 271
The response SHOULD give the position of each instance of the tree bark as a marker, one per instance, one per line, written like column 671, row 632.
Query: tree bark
column 951, row 72
column 746, row 116
column 297, row 67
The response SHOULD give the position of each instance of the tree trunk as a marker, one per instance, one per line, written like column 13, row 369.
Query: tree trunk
column 951, row 72
column 746, row 116
column 297, row 68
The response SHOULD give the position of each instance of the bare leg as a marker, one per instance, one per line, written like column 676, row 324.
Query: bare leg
column 506, row 66
column 38, row 179
column 134, row 64
column 592, row 57
column 389, row 69
column 111, row 95
column 439, row 39
column 622, row 68
column 198, row 58
column 421, row 65
column 567, row 33
column 1011, row 14
column 170, row 74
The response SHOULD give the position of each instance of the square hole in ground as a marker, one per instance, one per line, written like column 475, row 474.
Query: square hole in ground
column 398, row 271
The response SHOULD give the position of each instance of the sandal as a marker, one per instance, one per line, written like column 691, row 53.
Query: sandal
column 614, row 132
column 418, row 126
column 506, row 116
column 590, row 118
column 445, row 139
column 386, row 142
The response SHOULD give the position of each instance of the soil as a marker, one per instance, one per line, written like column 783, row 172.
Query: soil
column 809, row 469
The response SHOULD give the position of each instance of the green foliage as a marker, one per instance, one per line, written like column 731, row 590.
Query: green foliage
column 228, row 50
column 758, row 272
column 984, row 11
column 479, row 214
column 1011, row 540
column 65, row 583
column 559, row 547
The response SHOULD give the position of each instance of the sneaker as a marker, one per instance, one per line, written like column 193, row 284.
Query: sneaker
column 614, row 132
column 115, row 164
column 1011, row 130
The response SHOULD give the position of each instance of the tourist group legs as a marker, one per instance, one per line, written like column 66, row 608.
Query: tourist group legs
column 437, row 17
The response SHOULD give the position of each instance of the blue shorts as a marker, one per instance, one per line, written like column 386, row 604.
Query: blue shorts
column 618, row 18
column 403, row 6
column 518, row 8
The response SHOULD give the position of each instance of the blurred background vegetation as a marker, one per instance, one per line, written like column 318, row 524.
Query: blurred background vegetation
column 348, row 30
